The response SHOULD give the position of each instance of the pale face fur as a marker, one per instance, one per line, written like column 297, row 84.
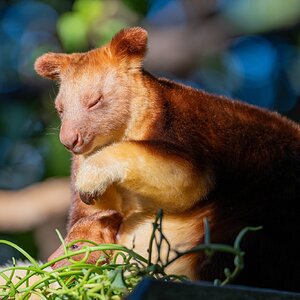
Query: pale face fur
column 92, row 103
column 94, row 99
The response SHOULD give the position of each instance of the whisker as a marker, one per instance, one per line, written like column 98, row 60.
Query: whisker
column 53, row 128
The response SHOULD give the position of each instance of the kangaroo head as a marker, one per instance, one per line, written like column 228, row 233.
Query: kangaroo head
column 100, row 228
column 96, row 89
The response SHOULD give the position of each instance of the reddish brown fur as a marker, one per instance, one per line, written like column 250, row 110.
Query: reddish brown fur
column 155, row 143
column 101, row 228
column 130, row 42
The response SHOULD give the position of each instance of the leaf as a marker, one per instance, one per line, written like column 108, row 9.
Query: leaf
column 118, row 282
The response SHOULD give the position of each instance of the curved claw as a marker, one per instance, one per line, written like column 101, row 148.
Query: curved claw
column 87, row 198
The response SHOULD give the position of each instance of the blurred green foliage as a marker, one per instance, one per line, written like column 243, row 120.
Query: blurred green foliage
column 139, row 6
column 253, row 16
column 57, row 159
column 92, row 23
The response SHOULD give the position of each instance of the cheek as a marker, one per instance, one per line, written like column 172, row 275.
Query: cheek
column 97, row 256
column 78, row 257
column 112, row 116
column 102, row 121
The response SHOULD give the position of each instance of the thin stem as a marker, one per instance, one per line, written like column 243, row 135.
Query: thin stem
column 28, row 256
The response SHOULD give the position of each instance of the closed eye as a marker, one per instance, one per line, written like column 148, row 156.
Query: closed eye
column 95, row 102
column 59, row 110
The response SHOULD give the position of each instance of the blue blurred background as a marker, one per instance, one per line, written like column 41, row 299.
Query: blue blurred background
column 245, row 49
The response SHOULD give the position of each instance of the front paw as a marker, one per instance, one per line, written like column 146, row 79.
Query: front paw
column 91, row 183
column 92, row 180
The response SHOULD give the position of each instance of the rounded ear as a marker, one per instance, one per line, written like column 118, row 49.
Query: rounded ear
column 130, row 42
column 50, row 65
column 111, row 220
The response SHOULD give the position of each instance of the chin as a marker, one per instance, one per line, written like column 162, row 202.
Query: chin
column 95, row 145
column 86, row 148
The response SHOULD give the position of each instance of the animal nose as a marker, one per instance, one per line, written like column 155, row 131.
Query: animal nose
column 71, row 139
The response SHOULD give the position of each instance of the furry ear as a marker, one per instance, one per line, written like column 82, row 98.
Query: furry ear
column 111, row 220
column 50, row 65
column 130, row 42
